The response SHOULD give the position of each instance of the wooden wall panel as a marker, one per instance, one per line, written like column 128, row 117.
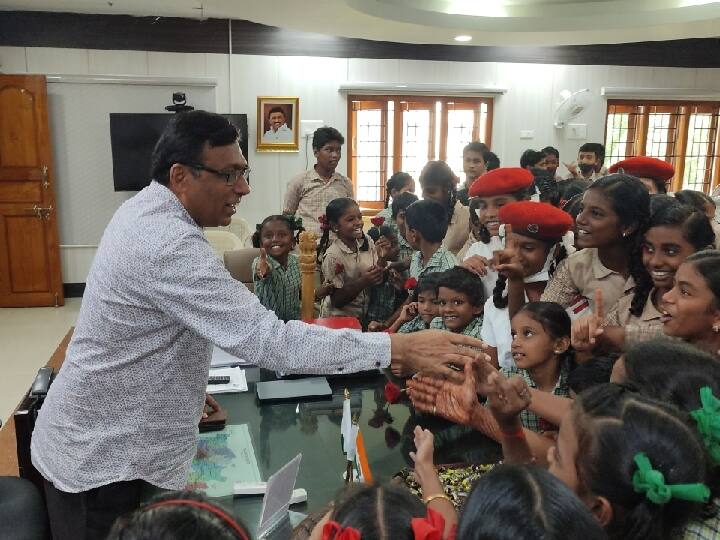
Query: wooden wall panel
column 173, row 34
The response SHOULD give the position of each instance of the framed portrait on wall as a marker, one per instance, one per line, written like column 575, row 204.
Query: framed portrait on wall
column 278, row 120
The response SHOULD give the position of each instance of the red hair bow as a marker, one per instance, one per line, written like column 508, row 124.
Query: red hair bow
column 324, row 225
column 333, row 531
column 431, row 527
column 410, row 283
column 377, row 221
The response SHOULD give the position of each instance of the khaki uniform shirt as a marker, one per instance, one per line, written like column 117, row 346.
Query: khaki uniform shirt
column 308, row 195
column 580, row 275
column 647, row 326
column 342, row 264
column 458, row 229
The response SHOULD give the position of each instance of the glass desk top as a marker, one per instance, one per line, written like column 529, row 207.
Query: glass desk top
column 281, row 430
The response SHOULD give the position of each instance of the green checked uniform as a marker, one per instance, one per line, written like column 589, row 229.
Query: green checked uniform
column 440, row 261
column 529, row 419
column 406, row 252
column 702, row 529
column 472, row 329
column 382, row 302
column 280, row 290
column 413, row 325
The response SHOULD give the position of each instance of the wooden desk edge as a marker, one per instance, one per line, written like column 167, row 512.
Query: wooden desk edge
column 8, row 444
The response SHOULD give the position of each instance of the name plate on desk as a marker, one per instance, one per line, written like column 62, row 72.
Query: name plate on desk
column 292, row 389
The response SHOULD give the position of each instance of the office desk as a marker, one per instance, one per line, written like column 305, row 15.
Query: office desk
column 280, row 431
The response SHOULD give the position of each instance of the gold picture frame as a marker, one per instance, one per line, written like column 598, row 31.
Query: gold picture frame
column 273, row 136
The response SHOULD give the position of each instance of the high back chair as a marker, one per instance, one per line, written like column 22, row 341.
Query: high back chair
column 222, row 241
column 239, row 263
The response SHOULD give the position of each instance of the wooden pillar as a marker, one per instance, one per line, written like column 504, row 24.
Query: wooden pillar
column 308, row 254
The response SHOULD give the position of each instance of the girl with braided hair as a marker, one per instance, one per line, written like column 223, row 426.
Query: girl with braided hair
column 533, row 234
column 675, row 231
column 609, row 233
column 438, row 183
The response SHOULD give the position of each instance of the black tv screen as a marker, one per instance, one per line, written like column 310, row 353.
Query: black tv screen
column 133, row 137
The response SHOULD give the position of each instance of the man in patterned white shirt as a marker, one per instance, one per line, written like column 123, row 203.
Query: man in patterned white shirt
column 121, row 417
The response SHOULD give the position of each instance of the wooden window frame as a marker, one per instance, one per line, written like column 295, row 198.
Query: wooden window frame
column 462, row 103
column 679, row 131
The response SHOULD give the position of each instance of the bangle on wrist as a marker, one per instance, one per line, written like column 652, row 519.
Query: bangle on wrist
column 430, row 498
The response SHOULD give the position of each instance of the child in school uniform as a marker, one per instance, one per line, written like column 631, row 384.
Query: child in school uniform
column 534, row 232
column 423, row 308
column 615, row 211
column 384, row 298
column 398, row 183
column 675, row 232
column 438, row 183
column 494, row 190
column 425, row 227
column 460, row 302
column 350, row 261
column 276, row 272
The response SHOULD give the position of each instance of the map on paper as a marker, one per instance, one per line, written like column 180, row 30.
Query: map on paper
column 223, row 458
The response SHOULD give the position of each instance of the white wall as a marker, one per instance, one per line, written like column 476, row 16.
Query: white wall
column 533, row 90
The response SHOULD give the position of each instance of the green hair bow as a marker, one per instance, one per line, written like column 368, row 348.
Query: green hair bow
column 708, row 422
column 651, row 482
column 296, row 221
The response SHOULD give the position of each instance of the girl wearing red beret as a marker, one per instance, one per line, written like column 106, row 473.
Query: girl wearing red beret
column 534, row 232
column 493, row 190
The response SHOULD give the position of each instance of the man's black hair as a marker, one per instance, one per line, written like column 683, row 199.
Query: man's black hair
column 184, row 138
column 276, row 109
column 530, row 158
column 596, row 148
column 477, row 146
column 324, row 135
column 548, row 150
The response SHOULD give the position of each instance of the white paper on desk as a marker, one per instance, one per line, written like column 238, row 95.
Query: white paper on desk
column 222, row 359
column 238, row 382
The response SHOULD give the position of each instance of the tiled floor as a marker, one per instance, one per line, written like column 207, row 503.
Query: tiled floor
column 28, row 337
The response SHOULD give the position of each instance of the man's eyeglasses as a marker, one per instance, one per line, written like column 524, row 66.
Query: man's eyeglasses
column 230, row 177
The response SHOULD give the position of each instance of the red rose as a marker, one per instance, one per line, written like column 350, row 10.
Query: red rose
column 410, row 283
column 377, row 221
column 339, row 268
column 392, row 392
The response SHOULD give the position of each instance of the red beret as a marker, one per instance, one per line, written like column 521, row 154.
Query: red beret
column 536, row 219
column 500, row 182
column 645, row 167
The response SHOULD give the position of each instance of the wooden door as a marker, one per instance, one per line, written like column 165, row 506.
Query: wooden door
column 29, row 251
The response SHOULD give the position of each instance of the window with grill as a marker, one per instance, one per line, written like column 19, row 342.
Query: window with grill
column 388, row 134
column 684, row 134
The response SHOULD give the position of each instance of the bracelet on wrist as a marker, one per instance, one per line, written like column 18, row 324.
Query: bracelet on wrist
column 430, row 498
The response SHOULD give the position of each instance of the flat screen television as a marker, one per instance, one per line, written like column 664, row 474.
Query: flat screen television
column 133, row 137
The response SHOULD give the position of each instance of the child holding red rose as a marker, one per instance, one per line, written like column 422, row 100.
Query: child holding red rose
column 350, row 261
column 422, row 309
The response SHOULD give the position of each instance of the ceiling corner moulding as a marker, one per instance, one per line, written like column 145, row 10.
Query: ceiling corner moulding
column 629, row 92
column 421, row 89
column 132, row 79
